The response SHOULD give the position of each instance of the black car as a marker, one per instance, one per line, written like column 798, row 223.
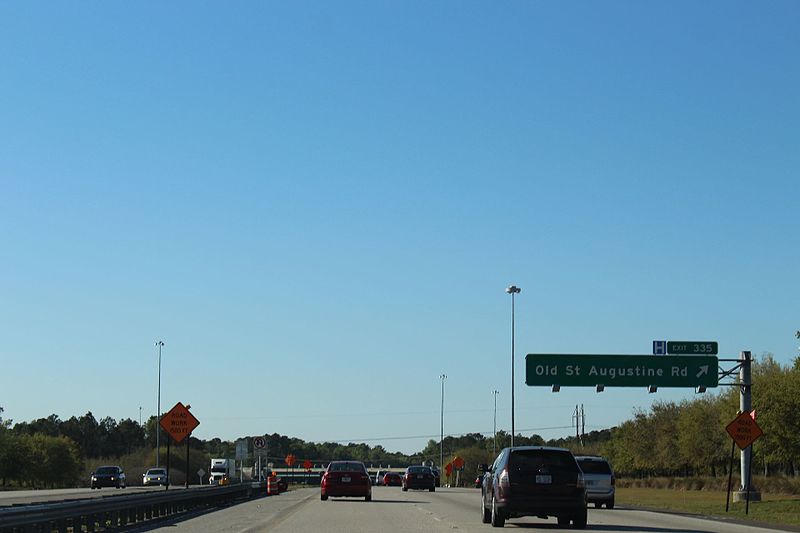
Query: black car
column 108, row 476
column 419, row 477
column 534, row 481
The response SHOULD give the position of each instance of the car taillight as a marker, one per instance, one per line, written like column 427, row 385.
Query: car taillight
column 580, row 482
column 503, row 479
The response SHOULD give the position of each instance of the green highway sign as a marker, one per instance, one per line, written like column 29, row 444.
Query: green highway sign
column 692, row 347
column 587, row 370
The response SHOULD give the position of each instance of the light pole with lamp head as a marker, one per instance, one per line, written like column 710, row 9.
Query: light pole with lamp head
column 160, row 344
column 494, row 446
column 512, row 290
column 441, row 434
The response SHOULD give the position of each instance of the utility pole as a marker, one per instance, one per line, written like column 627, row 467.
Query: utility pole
column 579, row 417
column 583, row 425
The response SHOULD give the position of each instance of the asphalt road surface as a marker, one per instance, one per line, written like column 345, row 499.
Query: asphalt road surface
column 393, row 511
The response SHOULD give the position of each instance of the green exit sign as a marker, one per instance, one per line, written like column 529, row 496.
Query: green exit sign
column 588, row 370
column 692, row 348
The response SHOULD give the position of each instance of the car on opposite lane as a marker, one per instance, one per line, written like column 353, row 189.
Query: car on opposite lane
column 346, row 478
column 154, row 476
column 108, row 476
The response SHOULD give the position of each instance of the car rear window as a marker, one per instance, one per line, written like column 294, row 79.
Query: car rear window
column 346, row 467
column 107, row 470
column 419, row 470
column 541, row 460
column 594, row 467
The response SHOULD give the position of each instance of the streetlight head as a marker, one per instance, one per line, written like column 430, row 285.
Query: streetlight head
column 556, row 388
column 651, row 389
column 513, row 289
column 600, row 388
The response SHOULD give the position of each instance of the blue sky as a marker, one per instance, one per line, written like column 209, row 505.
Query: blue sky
column 318, row 205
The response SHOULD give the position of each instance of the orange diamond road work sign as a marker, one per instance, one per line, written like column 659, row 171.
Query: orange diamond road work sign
column 179, row 422
column 307, row 464
column 448, row 468
column 290, row 460
column 744, row 430
column 458, row 462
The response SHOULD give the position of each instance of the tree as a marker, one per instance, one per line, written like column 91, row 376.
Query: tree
column 701, row 437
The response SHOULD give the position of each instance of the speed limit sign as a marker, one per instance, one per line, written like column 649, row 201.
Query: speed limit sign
column 259, row 442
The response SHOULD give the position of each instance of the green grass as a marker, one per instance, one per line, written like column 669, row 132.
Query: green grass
column 774, row 509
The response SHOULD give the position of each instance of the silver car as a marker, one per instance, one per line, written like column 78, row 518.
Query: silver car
column 155, row 476
column 599, row 480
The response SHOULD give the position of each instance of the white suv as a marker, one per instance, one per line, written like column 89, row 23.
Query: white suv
column 599, row 480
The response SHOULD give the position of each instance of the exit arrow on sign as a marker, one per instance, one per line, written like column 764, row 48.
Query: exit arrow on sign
column 588, row 370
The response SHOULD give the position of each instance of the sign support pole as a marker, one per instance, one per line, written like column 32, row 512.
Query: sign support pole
column 746, row 490
column 189, row 436
column 166, row 485
column 749, row 480
column 730, row 477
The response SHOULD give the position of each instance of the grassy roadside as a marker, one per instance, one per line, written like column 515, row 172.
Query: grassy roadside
column 774, row 509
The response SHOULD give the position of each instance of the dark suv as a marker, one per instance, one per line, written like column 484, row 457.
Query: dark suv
column 534, row 481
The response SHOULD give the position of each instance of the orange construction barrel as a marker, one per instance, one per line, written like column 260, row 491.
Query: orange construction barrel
column 272, row 486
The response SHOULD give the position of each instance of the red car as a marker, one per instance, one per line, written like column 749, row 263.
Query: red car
column 419, row 477
column 346, row 478
column 393, row 479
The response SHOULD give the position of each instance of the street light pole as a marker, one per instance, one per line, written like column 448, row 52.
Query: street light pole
column 441, row 440
column 160, row 344
column 512, row 290
column 494, row 446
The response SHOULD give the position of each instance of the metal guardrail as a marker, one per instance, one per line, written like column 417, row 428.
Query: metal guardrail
column 110, row 512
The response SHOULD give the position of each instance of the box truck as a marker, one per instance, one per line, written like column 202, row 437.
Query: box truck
column 222, row 471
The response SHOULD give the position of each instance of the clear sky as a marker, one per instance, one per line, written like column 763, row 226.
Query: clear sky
column 318, row 205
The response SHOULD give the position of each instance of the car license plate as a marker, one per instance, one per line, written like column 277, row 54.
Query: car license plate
column 345, row 479
column 419, row 476
column 544, row 480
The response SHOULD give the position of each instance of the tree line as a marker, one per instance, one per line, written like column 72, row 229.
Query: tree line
column 670, row 439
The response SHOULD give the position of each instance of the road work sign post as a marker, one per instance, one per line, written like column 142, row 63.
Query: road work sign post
column 179, row 424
